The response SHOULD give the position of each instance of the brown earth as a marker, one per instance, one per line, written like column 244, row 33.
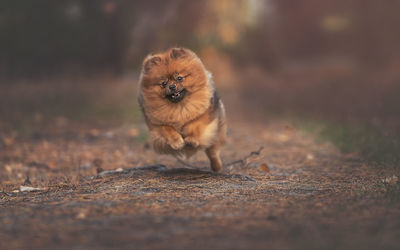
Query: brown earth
column 101, row 186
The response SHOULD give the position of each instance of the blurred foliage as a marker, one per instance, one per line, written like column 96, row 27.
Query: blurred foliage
column 48, row 37
column 380, row 149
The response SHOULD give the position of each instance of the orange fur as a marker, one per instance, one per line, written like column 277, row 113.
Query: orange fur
column 188, row 116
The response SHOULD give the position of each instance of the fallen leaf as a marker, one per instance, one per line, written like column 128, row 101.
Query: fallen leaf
column 283, row 137
column 8, row 141
column 30, row 189
column 106, row 172
column 264, row 167
column 319, row 204
column 8, row 168
column 94, row 132
column 133, row 132
column 81, row 215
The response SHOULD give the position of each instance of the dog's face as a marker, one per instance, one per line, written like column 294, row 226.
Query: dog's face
column 172, row 77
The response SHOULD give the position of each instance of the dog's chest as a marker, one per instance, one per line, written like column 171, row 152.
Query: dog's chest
column 209, row 132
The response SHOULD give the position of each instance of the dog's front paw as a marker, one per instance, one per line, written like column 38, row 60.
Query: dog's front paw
column 176, row 142
column 192, row 141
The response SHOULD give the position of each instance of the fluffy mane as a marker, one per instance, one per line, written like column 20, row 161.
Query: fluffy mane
column 199, row 85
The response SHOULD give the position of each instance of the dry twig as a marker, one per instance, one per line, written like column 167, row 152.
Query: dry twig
column 245, row 160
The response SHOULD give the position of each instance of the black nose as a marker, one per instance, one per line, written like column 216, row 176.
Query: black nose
column 172, row 87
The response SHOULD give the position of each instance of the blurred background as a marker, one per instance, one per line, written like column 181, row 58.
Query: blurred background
column 330, row 65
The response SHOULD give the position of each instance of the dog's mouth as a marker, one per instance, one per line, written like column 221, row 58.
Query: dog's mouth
column 176, row 96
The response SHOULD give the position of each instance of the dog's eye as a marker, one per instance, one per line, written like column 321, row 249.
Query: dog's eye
column 179, row 78
column 164, row 84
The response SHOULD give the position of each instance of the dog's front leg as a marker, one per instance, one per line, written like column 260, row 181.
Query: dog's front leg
column 164, row 138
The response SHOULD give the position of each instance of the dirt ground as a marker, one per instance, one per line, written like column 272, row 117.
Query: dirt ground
column 100, row 186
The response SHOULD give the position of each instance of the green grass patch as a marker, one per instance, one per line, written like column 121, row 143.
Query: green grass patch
column 373, row 145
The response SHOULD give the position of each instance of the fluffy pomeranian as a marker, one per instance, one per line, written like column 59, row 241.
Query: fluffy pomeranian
column 182, row 109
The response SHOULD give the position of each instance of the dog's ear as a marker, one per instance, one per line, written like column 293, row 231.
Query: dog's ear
column 150, row 61
column 179, row 52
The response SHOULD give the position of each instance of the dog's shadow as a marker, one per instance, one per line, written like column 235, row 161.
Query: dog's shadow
column 192, row 174
column 178, row 174
column 188, row 174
